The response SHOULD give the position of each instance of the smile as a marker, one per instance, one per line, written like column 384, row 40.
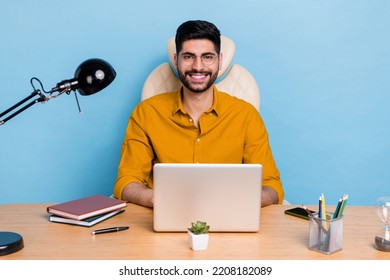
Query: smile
column 198, row 76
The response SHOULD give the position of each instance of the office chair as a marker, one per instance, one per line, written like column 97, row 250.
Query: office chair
column 235, row 79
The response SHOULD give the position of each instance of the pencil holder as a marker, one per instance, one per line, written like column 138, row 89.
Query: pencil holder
column 325, row 235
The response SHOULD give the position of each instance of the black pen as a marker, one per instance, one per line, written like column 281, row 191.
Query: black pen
column 106, row 230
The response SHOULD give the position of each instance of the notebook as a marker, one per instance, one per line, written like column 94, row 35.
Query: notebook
column 88, row 222
column 226, row 196
column 86, row 207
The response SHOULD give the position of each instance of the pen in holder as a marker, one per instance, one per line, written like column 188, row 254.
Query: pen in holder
column 325, row 235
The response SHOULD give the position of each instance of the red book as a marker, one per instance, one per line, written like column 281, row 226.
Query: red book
column 80, row 209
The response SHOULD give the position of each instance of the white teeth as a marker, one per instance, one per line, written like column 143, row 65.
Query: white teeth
column 198, row 76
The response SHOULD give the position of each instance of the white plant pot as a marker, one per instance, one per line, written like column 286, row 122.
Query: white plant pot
column 198, row 241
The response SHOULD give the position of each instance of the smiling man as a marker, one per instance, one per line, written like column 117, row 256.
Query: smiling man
column 196, row 124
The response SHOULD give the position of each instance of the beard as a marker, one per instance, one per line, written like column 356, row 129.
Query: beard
column 198, row 86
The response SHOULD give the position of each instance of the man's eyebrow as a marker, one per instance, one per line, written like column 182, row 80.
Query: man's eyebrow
column 190, row 53
column 205, row 53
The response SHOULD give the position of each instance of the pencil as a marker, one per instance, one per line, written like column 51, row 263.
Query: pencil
column 320, row 207
column 336, row 212
column 345, row 199
column 323, row 215
column 323, row 206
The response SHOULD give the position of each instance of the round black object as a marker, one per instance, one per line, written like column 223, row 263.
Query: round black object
column 10, row 242
column 93, row 75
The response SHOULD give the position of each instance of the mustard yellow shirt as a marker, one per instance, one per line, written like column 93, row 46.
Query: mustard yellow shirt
column 160, row 130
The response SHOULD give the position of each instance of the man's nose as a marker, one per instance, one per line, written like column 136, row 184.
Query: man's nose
column 198, row 63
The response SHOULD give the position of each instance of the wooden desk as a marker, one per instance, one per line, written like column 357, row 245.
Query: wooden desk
column 281, row 237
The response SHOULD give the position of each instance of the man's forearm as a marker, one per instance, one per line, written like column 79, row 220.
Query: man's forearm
column 268, row 196
column 138, row 193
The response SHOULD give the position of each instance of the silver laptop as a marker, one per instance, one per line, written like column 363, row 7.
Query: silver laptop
column 226, row 196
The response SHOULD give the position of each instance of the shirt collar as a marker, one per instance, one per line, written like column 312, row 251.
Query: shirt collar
column 178, row 105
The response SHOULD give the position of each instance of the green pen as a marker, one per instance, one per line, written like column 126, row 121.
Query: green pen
column 336, row 212
column 345, row 198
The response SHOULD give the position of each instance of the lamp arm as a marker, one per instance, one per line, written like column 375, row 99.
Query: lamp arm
column 41, row 98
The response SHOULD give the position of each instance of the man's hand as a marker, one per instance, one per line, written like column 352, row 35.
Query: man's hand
column 268, row 196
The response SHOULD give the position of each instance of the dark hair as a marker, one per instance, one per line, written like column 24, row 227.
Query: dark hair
column 197, row 29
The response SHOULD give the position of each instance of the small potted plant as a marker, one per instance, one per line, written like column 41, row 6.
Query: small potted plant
column 198, row 235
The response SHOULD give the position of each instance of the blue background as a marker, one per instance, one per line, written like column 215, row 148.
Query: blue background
column 322, row 67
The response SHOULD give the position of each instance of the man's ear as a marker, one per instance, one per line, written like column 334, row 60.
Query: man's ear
column 175, row 57
column 220, row 61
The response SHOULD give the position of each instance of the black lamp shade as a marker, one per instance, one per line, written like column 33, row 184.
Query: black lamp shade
column 93, row 75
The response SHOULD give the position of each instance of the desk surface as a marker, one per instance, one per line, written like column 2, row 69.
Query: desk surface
column 281, row 237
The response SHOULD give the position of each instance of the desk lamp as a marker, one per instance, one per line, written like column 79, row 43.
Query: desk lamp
column 90, row 77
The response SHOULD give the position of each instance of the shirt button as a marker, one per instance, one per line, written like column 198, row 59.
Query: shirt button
column 198, row 139
column 190, row 120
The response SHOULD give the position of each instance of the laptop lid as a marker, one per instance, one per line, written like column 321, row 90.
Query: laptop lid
column 226, row 196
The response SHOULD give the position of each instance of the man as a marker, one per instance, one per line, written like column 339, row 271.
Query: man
column 197, row 124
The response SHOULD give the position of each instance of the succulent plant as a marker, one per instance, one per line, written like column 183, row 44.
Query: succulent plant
column 199, row 227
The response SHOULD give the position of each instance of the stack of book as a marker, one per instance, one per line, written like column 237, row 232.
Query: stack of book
column 87, row 211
